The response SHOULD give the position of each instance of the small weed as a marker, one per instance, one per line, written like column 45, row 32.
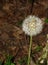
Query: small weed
column 38, row 48
column 8, row 61
column 46, row 20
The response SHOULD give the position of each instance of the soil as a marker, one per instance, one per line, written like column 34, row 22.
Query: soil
column 12, row 39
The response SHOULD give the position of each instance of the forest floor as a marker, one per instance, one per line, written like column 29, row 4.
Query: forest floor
column 13, row 40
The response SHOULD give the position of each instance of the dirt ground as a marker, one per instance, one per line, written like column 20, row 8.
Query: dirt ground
column 12, row 39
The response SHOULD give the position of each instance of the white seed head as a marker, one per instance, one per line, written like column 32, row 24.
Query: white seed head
column 32, row 25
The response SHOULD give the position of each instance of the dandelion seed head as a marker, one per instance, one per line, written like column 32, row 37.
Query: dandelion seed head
column 32, row 25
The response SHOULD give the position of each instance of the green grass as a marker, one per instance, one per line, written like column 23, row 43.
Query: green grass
column 38, row 48
column 46, row 20
column 8, row 61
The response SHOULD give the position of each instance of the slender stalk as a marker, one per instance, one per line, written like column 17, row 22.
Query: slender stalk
column 47, row 48
column 30, row 46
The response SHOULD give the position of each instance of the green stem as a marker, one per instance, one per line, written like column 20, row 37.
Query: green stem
column 47, row 48
column 30, row 46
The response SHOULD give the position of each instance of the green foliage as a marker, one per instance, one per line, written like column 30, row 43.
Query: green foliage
column 38, row 48
column 46, row 20
column 9, row 58
column 8, row 61
column 12, row 64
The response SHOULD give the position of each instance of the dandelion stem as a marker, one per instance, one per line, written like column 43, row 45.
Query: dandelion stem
column 47, row 48
column 30, row 46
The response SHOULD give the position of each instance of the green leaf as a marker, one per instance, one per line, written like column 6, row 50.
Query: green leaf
column 8, row 58
column 12, row 64
column 46, row 20
column 38, row 48
column 7, row 63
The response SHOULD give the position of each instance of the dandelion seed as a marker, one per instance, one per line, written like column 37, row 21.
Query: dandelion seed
column 32, row 25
